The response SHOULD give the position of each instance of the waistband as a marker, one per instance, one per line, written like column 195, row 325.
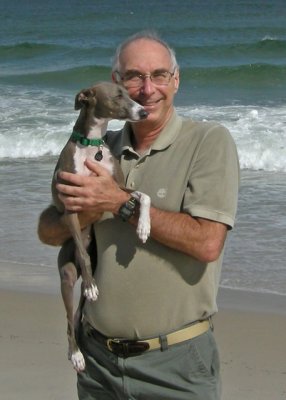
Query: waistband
column 127, row 348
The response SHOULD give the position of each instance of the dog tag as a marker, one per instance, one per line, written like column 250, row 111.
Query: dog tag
column 98, row 156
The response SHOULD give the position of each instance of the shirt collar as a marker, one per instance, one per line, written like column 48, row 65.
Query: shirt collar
column 167, row 136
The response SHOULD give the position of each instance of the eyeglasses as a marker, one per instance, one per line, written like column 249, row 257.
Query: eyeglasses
column 133, row 79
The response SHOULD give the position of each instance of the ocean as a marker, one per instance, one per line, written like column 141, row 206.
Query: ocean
column 232, row 58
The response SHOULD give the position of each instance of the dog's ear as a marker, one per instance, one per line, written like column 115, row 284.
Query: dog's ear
column 82, row 98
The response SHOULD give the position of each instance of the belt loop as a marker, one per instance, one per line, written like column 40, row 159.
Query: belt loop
column 163, row 342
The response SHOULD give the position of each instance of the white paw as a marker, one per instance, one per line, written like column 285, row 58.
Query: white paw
column 78, row 361
column 91, row 293
column 143, row 230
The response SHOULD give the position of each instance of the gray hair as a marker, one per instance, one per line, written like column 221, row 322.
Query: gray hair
column 150, row 35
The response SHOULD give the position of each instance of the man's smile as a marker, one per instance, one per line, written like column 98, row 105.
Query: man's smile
column 149, row 103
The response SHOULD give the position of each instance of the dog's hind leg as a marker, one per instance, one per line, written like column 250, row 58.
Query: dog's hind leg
column 90, row 290
column 69, row 275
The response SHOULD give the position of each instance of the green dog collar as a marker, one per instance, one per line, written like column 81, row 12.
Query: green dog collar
column 77, row 137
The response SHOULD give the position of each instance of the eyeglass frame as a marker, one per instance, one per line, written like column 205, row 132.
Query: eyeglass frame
column 142, row 77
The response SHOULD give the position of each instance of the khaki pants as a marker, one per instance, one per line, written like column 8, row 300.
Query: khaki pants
column 189, row 370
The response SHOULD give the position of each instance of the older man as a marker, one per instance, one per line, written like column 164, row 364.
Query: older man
column 149, row 335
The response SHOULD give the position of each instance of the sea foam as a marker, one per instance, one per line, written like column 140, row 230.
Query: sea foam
column 41, row 122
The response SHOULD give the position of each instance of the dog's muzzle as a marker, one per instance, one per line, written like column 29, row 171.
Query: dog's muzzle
column 143, row 114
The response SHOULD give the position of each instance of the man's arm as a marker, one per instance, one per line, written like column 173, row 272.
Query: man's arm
column 86, row 196
column 53, row 230
column 51, row 227
column 197, row 237
column 200, row 238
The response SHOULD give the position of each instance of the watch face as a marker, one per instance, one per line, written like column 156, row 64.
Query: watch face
column 127, row 209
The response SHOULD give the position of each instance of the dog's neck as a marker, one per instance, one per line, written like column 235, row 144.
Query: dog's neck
column 92, row 128
column 90, row 142
column 97, row 128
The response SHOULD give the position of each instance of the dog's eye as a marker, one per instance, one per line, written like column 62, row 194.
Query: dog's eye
column 119, row 96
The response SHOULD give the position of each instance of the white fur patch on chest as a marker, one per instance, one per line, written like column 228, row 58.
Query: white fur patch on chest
column 84, row 152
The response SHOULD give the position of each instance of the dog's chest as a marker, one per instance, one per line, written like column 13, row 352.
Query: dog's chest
column 84, row 152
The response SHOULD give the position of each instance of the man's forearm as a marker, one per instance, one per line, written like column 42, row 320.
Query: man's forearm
column 53, row 230
column 200, row 238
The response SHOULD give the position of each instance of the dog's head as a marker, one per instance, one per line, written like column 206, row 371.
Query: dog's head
column 110, row 101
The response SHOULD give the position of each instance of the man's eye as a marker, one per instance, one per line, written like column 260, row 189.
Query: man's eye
column 131, row 75
column 162, row 74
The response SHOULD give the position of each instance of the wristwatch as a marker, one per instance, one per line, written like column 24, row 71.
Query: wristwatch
column 128, row 209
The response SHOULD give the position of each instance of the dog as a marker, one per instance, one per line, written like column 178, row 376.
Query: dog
column 98, row 105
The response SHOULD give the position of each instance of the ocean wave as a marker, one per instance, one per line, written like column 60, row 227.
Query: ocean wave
column 28, row 49
column 64, row 78
column 43, row 121
column 241, row 75
column 228, row 53
column 247, row 76
column 259, row 133
column 268, row 49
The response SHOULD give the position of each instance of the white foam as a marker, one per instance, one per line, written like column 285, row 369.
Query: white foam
column 259, row 133
column 37, row 123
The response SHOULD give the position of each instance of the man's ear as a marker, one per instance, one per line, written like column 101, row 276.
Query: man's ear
column 177, row 80
column 113, row 77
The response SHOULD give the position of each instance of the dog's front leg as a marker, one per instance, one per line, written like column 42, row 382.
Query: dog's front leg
column 144, row 224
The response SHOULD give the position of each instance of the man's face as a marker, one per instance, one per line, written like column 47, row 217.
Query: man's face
column 145, row 56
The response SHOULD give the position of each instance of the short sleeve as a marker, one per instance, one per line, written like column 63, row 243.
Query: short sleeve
column 212, row 190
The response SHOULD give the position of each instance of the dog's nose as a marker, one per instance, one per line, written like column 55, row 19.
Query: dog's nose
column 143, row 114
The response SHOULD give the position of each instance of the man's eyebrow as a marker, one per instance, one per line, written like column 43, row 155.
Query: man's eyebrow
column 155, row 71
column 131, row 71
column 160, row 70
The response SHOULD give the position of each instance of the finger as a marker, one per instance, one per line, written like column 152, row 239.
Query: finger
column 69, row 190
column 71, row 203
column 96, row 168
column 71, row 178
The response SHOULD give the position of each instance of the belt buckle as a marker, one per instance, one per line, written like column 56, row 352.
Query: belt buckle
column 109, row 343
column 126, row 348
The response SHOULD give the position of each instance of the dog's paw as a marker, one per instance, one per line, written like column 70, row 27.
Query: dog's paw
column 143, row 231
column 78, row 362
column 91, row 293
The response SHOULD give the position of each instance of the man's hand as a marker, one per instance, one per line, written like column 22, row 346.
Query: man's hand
column 96, row 193
column 90, row 196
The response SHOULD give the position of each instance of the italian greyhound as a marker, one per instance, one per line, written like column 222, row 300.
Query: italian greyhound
column 97, row 105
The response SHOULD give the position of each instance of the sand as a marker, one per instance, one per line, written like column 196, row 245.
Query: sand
column 250, row 329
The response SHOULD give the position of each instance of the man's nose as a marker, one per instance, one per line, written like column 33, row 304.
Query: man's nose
column 147, row 85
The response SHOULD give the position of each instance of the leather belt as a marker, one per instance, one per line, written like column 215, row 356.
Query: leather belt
column 129, row 348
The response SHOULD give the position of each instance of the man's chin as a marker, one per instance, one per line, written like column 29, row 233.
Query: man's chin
column 152, row 110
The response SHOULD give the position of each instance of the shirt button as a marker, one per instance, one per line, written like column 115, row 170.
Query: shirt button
column 132, row 184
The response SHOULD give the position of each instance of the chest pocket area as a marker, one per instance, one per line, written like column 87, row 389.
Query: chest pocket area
column 164, row 180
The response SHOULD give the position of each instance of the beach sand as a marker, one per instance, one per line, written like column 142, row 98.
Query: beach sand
column 250, row 330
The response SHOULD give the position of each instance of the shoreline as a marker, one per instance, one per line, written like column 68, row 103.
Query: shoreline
column 249, row 328
column 25, row 277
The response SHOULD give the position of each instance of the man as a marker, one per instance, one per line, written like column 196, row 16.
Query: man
column 168, row 285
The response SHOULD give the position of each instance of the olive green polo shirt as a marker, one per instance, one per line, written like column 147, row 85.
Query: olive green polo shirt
column 150, row 289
